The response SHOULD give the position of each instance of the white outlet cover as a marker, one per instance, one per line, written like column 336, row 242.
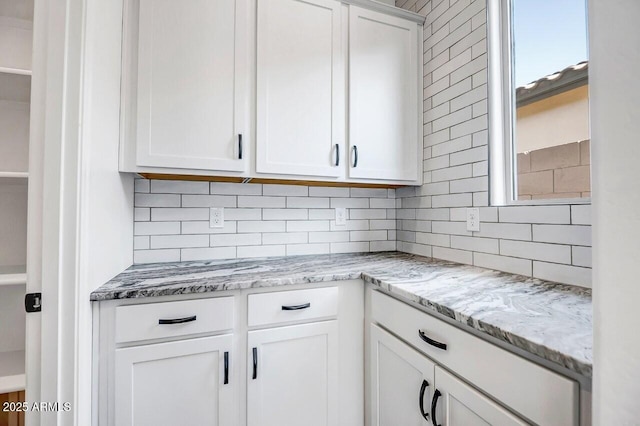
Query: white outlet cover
column 473, row 219
column 341, row 216
column 216, row 217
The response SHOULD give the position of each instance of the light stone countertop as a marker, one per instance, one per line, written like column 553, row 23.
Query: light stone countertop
column 552, row 321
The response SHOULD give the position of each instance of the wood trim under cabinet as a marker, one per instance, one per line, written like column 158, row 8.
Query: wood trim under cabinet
column 12, row 418
column 161, row 176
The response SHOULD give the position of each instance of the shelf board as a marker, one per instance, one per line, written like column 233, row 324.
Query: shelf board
column 13, row 275
column 16, row 71
column 12, row 377
column 16, row 175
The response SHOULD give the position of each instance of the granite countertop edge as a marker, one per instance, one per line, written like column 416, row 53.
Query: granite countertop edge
column 409, row 277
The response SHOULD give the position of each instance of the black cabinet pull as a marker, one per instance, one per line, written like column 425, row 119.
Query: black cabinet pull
column 432, row 342
column 355, row 156
column 240, row 146
column 434, row 404
column 176, row 320
column 423, row 388
column 295, row 307
column 337, row 154
column 226, row 368
column 255, row 363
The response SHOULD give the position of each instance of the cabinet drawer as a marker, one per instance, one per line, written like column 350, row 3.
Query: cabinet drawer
column 170, row 319
column 295, row 305
column 533, row 391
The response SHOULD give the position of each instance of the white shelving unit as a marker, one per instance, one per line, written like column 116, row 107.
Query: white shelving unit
column 16, row 34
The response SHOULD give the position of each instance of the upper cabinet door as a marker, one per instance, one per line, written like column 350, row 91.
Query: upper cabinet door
column 300, row 88
column 383, row 96
column 191, row 84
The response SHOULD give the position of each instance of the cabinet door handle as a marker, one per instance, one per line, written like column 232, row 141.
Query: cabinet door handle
column 176, row 320
column 423, row 388
column 337, row 154
column 226, row 368
column 295, row 307
column 255, row 363
column 355, row 156
column 240, row 146
column 432, row 342
column 434, row 405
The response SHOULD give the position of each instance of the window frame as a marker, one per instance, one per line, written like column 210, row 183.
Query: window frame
column 503, row 178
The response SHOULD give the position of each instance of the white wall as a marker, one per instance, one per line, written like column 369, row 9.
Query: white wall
column 615, row 59
column 548, row 242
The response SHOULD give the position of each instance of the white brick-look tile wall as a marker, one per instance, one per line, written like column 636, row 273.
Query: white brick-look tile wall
column 172, row 220
column 548, row 242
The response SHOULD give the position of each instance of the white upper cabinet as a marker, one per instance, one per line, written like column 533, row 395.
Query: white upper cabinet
column 300, row 88
column 383, row 96
column 190, row 83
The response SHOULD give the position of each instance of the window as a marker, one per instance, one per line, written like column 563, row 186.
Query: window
column 538, row 101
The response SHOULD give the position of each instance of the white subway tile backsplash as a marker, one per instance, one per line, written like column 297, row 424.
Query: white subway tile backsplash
column 328, row 191
column 556, row 253
column 228, row 240
column 142, row 185
column 141, row 214
column 208, row 253
column 306, row 249
column 179, row 187
column 202, row 227
column 460, row 256
column 581, row 256
column 322, row 214
column 350, row 203
column 367, row 214
column 156, row 228
column 141, row 242
column 285, row 238
column 179, row 214
column 285, row 214
column 352, row 225
column 242, row 214
column 352, row 247
column 261, row 251
column 225, row 188
column 581, row 214
column 158, row 200
column 209, row 201
column 179, row 241
column 257, row 201
column 328, row 236
column 563, row 234
column 482, row 245
column 535, row 214
column 382, row 245
column 307, row 225
column 261, row 226
column 502, row 263
column 285, row 190
column 156, row 256
column 512, row 231
column 562, row 273
column 368, row 235
column 307, row 202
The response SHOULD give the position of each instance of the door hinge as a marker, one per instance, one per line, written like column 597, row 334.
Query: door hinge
column 33, row 302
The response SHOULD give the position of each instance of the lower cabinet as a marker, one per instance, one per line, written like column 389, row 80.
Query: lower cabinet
column 455, row 403
column 401, row 382
column 168, row 383
column 293, row 375
column 409, row 389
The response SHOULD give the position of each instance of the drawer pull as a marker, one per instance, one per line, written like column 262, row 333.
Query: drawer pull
column 295, row 307
column 226, row 368
column 434, row 405
column 255, row 364
column 240, row 146
column 432, row 342
column 176, row 320
column 423, row 388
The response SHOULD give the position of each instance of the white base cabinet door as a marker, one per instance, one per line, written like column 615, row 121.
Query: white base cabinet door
column 292, row 375
column 401, row 382
column 458, row 404
column 191, row 83
column 176, row 382
column 383, row 96
column 300, row 88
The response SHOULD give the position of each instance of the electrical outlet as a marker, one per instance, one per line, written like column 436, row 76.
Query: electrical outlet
column 473, row 219
column 341, row 216
column 216, row 217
